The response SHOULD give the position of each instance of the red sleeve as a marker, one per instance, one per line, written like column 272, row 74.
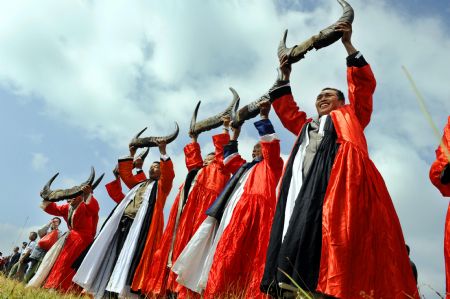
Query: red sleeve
column 140, row 176
column 441, row 161
column 233, row 163
column 193, row 156
column 167, row 176
column 220, row 140
column 114, row 190
column 126, row 172
column 92, row 206
column 287, row 110
column 361, row 86
column 271, row 153
column 57, row 210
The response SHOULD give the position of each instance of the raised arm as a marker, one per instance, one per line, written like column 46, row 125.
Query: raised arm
column 232, row 160
column 167, row 172
column 360, row 79
column 270, row 144
column 44, row 229
column 283, row 102
column 114, row 188
column 91, row 204
column 54, row 209
column 126, row 170
column 440, row 169
column 193, row 155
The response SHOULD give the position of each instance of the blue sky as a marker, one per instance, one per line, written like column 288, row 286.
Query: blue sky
column 79, row 79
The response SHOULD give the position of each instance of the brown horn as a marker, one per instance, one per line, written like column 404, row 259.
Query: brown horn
column 62, row 194
column 90, row 178
column 194, row 119
column 137, row 136
column 216, row 120
column 153, row 141
column 249, row 111
column 45, row 192
column 323, row 39
column 97, row 182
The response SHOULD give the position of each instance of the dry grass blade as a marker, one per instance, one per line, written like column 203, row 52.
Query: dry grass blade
column 300, row 291
column 426, row 113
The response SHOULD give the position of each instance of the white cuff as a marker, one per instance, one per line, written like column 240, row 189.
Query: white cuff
column 227, row 159
column 269, row 137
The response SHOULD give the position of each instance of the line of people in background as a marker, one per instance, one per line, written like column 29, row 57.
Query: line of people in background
column 22, row 265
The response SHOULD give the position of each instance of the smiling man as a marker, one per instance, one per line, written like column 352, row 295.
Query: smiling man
column 335, row 230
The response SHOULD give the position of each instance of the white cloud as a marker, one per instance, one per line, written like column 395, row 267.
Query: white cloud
column 39, row 161
column 114, row 68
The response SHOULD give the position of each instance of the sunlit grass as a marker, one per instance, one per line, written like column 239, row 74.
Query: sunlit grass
column 11, row 289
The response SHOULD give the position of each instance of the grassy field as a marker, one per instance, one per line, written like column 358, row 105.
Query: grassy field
column 10, row 289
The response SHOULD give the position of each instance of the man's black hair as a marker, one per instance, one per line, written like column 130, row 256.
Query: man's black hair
column 339, row 93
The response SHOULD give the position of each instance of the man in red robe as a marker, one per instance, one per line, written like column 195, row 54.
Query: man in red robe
column 81, row 216
column 123, row 250
column 114, row 188
column 204, row 181
column 335, row 230
column 227, row 253
column 440, row 177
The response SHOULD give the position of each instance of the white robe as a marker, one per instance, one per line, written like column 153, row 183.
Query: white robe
column 101, row 255
column 47, row 263
column 195, row 261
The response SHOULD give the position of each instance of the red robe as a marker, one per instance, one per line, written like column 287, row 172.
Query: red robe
column 435, row 172
column 82, row 231
column 209, row 183
column 363, row 248
column 157, row 224
column 239, row 259
column 114, row 188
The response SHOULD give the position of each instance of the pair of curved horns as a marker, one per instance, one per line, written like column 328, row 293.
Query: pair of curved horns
column 62, row 194
column 139, row 142
column 323, row 39
column 214, row 121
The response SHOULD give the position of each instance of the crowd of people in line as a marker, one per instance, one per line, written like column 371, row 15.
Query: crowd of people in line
column 323, row 218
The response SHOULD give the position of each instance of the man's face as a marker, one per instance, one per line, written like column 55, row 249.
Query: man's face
column 55, row 223
column 327, row 101
column 24, row 245
column 208, row 159
column 155, row 171
column 138, row 163
column 257, row 154
column 16, row 249
column 74, row 202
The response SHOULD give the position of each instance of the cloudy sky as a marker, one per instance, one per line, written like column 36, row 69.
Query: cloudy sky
column 79, row 78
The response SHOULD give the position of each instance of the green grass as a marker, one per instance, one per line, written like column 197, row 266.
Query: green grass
column 11, row 289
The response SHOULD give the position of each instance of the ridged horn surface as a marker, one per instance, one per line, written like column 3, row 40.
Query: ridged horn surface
column 194, row 118
column 153, row 141
column 63, row 194
column 216, row 120
column 323, row 39
column 45, row 192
